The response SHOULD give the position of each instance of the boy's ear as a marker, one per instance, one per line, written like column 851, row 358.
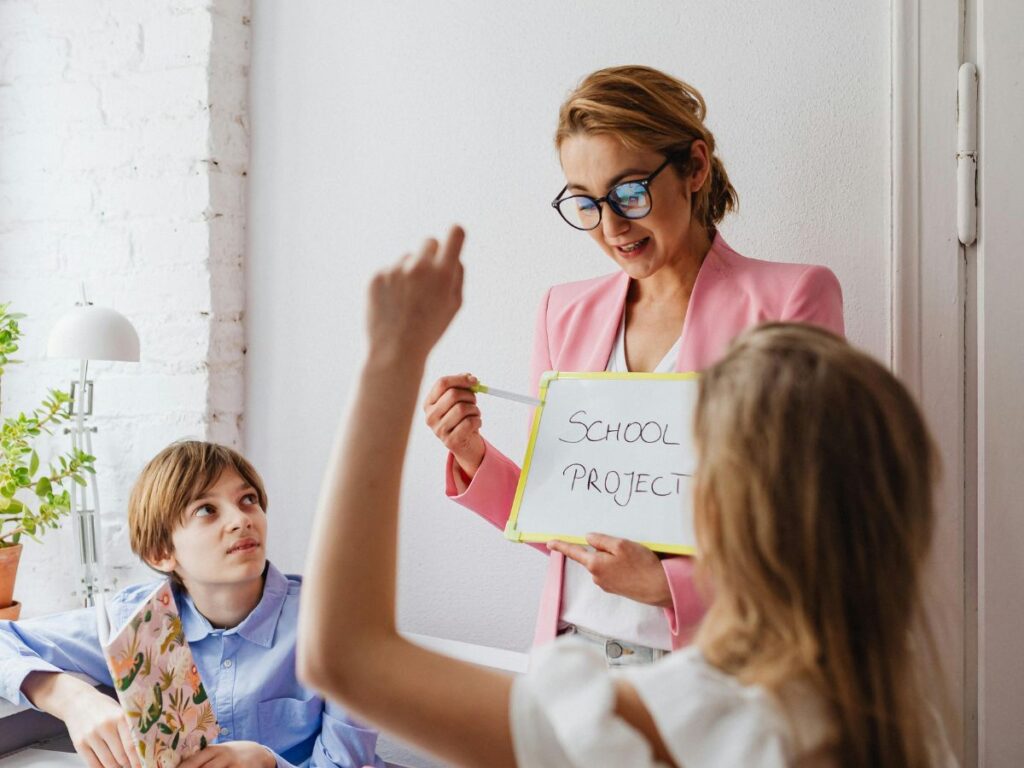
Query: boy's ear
column 166, row 564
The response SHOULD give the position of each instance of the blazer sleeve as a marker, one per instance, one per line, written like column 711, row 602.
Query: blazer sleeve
column 688, row 605
column 492, row 489
column 816, row 298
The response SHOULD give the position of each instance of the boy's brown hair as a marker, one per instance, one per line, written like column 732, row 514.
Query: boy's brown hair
column 174, row 478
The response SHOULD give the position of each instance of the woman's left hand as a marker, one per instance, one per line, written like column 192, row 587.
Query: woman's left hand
column 622, row 567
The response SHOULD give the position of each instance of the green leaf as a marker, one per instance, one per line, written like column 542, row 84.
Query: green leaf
column 20, row 463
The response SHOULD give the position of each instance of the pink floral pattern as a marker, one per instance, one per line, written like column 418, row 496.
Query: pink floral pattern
column 158, row 684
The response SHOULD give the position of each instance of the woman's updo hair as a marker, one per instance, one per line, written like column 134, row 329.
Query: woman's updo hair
column 649, row 110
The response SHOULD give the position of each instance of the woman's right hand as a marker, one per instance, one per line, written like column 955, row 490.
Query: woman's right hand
column 453, row 415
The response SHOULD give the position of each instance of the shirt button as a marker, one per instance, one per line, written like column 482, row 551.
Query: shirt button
column 225, row 731
column 613, row 649
column 227, row 663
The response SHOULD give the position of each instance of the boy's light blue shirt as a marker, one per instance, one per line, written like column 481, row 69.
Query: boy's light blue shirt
column 248, row 671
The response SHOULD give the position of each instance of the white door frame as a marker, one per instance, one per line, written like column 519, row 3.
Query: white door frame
column 958, row 341
column 928, row 307
column 998, row 296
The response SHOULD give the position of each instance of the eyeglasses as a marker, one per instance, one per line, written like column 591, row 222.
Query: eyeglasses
column 630, row 200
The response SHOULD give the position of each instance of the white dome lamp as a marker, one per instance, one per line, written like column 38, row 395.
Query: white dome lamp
column 94, row 333
column 89, row 333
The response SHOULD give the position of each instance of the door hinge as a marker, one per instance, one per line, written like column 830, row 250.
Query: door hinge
column 967, row 154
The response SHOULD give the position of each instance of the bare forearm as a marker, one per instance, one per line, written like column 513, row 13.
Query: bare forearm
column 348, row 644
column 57, row 693
column 353, row 552
column 96, row 724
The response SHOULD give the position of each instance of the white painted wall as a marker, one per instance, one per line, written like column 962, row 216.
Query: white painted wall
column 123, row 144
column 376, row 124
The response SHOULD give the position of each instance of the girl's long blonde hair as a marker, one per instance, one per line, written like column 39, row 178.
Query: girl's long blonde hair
column 814, row 515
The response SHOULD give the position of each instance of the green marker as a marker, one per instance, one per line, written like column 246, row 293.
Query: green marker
column 483, row 389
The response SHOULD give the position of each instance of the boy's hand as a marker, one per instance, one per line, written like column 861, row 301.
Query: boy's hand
column 96, row 723
column 234, row 754
column 99, row 730
column 411, row 304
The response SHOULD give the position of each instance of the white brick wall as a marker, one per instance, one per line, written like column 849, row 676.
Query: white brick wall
column 123, row 157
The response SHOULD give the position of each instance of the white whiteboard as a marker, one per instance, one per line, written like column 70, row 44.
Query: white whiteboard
column 610, row 453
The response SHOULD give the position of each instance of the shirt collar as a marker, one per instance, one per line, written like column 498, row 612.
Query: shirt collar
column 258, row 627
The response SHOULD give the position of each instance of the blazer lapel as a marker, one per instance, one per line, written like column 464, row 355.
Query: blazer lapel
column 589, row 341
column 700, row 320
column 588, row 348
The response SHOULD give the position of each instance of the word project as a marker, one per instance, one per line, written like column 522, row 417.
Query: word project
column 610, row 453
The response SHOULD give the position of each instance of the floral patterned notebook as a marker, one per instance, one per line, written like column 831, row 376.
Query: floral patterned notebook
column 158, row 684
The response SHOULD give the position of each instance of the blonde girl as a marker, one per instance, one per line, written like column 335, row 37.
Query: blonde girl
column 814, row 514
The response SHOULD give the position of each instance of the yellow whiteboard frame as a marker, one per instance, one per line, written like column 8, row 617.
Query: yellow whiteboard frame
column 511, row 532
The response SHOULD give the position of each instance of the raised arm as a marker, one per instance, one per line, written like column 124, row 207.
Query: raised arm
column 348, row 644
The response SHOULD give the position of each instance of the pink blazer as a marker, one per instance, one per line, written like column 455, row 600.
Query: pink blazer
column 576, row 327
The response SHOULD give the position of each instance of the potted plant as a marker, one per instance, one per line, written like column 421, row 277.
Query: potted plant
column 33, row 496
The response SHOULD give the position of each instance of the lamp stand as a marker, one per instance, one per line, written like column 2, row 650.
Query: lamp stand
column 85, row 499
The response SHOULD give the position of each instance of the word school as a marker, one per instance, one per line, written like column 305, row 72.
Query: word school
column 598, row 431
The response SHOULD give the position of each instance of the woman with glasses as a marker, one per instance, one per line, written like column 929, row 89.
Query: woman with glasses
column 644, row 182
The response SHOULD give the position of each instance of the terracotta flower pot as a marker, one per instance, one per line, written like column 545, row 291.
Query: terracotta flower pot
column 9, row 557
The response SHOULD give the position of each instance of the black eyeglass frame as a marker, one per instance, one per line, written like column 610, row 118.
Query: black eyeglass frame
column 644, row 182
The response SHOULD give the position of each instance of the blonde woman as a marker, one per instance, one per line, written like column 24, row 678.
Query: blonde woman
column 643, row 180
column 813, row 517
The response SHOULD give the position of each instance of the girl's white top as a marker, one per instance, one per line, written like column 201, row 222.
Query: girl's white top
column 562, row 714
column 587, row 605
